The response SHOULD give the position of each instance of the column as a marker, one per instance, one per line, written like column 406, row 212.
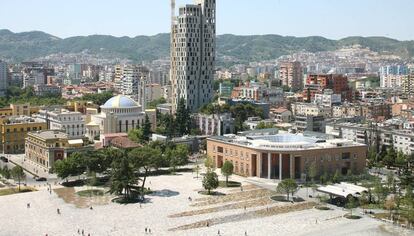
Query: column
column 292, row 169
column 269, row 164
column 280, row 166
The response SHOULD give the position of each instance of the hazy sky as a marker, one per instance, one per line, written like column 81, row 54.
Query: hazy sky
column 329, row 18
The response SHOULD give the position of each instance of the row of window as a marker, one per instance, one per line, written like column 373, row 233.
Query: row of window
column 28, row 129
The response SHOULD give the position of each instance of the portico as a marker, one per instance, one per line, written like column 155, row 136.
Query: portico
column 277, row 165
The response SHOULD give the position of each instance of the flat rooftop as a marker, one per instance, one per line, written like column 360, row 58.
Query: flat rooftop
column 285, row 141
column 50, row 134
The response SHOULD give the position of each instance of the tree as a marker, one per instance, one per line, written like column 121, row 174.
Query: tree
column 391, row 182
column 18, row 174
column 263, row 125
column 400, row 161
column 6, row 172
column 177, row 156
column 144, row 158
column 122, row 176
column 74, row 165
column 390, row 156
column 182, row 118
column 137, row 135
column 209, row 163
column 380, row 191
column 351, row 204
column 210, row 181
column 227, row 170
column 337, row 177
column 146, row 129
column 288, row 186
column 313, row 171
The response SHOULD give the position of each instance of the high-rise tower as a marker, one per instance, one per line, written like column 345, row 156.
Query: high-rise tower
column 193, row 49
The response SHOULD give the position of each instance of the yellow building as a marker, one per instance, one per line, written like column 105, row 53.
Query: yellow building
column 14, row 130
column 45, row 147
column 18, row 110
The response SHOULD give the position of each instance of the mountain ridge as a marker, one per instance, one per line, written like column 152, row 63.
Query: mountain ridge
column 240, row 48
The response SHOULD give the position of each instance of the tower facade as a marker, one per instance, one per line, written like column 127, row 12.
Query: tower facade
column 193, row 49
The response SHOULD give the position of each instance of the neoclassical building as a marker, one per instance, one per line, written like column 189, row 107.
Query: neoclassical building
column 283, row 156
column 119, row 114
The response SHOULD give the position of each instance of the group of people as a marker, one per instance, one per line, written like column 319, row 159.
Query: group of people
column 147, row 230
column 83, row 232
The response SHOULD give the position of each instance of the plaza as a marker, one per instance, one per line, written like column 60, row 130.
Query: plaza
column 169, row 211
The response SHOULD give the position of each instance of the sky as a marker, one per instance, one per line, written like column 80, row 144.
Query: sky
column 333, row 19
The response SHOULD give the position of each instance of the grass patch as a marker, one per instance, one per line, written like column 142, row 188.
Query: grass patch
column 352, row 217
column 9, row 191
column 322, row 208
column 91, row 193
column 123, row 200
column 231, row 184
column 212, row 193
column 280, row 198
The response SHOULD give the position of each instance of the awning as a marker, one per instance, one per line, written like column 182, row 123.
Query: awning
column 75, row 141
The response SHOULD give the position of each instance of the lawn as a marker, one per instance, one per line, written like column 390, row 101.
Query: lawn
column 231, row 184
column 9, row 191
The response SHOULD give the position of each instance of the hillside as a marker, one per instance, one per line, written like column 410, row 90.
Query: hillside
column 28, row 45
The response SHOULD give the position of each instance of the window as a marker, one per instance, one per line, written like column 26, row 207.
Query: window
column 220, row 149
column 346, row 156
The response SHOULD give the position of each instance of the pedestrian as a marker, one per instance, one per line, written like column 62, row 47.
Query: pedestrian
column 244, row 207
column 208, row 224
column 218, row 232
column 89, row 234
column 245, row 233
column 149, row 230
column 83, row 232
column 78, row 231
column 91, row 208
column 28, row 205
column 58, row 211
column 146, row 229
column 241, row 188
column 140, row 206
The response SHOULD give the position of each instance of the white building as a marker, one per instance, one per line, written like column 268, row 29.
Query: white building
column 69, row 122
column 327, row 99
column 215, row 124
column 193, row 43
column 119, row 114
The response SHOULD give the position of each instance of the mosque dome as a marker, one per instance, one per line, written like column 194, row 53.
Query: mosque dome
column 120, row 102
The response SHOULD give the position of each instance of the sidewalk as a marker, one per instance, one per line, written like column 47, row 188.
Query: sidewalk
column 28, row 166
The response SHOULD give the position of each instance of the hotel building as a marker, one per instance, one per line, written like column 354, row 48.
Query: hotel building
column 283, row 156
column 193, row 49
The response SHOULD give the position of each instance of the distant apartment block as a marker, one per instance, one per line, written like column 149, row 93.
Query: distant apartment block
column 317, row 83
column 290, row 75
column 3, row 78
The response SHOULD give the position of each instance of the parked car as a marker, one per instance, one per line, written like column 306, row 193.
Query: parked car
column 41, row 179
column 4, row 159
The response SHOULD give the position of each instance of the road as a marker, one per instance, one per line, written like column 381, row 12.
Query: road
column 29, row 177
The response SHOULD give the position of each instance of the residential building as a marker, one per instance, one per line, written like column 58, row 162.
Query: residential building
column 43, row 148
column 193, row 49
column 290, row 75
column 70, row 122
column 283, row 156
column 47, row 89
column 215, row 124
column 317, row 83
column 14, row 130
column 225, row 89
column 309, row 123
column 281, row 114
column 327, row 99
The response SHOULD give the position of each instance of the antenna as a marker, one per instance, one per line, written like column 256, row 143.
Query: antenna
column 172, row 11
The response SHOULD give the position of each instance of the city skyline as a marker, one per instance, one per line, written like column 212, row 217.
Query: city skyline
column 332, row 20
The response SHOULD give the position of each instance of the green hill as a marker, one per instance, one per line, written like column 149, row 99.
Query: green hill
column 28, row 45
